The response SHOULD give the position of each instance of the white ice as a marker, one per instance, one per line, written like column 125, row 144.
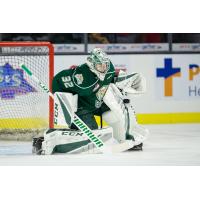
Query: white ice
column 167, row 145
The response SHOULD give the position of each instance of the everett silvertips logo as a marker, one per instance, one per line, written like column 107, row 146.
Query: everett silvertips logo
column 79, row 78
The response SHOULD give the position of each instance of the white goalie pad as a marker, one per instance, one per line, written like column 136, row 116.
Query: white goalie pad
column 121, row 117
column 139, row 132
column 75, row 141
column 134, row 83
column 117, row 116
column 64, row 114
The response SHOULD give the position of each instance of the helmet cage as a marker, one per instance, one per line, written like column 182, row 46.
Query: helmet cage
column 98, row 57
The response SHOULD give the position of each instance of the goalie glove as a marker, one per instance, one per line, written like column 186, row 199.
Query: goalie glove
column 132, row 84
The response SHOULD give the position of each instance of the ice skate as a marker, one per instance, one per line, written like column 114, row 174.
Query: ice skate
column 37, row 145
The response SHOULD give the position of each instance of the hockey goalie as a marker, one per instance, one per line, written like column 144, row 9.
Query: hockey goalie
column 89, row 90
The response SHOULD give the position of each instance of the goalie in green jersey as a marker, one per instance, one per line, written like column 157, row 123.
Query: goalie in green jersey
column 93, row 89
column 90, row 81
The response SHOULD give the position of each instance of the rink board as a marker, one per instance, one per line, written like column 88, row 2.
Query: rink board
column 165, row 118
column 23, row 123
column 148, row 118
column 153, row 107
column 156, row 106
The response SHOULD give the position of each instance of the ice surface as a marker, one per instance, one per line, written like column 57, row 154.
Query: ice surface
column 168, row 145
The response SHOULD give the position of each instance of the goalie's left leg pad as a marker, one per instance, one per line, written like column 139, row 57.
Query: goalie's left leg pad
column 116, row 117
column 121, row 117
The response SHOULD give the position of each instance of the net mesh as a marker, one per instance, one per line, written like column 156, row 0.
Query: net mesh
column 24, row 107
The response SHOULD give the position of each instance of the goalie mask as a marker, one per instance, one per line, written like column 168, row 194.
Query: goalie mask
column 99, row 63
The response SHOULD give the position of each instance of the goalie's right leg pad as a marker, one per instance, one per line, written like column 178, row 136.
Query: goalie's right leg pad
column 73, row 141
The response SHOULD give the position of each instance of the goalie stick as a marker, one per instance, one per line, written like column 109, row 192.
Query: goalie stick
column 116, row 148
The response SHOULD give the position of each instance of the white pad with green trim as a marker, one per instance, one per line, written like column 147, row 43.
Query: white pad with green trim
column 74, row 141
column 117, row 116
column 61, row 114
column 121, row 117
column 139, row 132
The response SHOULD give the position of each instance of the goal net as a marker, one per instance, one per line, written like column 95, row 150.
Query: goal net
column 24, row 108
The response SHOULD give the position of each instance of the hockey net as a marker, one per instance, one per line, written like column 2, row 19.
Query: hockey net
column 25, row 110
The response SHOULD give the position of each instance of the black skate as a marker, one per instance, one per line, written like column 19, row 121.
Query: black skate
column 137, row 147
column 37, row 145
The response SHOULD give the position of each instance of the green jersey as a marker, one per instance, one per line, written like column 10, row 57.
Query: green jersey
column 86, row 84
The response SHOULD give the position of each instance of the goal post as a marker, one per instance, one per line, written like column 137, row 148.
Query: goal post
column 23, row 105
